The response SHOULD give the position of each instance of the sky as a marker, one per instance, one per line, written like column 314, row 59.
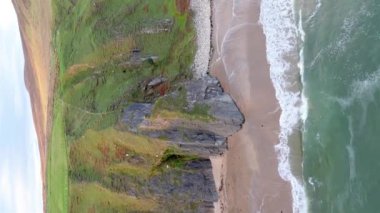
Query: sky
column 20, row 169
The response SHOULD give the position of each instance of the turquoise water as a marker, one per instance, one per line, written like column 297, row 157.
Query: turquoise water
column 341, row 138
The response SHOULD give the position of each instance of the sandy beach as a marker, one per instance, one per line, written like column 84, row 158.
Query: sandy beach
column 35, row 27
column 247, row 175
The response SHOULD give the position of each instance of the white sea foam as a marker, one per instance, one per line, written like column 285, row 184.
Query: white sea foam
column 315, row 11
column 351, row 150
column 361, row 91
column 202, row 21
column 351, row 26
column 304, row 106
column 282, row 40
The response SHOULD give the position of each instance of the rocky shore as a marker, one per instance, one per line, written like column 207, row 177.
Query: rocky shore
column 202, row 136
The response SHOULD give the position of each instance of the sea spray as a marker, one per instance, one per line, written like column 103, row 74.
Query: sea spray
column 282, row 40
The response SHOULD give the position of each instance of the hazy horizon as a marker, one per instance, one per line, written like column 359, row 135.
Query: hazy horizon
column 20, row 170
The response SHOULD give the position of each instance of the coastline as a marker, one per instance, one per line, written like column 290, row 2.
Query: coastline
column 242, row 181
column 248, row 172
column 39, row 80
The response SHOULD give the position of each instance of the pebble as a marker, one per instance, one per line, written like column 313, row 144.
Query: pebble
column 202, row 21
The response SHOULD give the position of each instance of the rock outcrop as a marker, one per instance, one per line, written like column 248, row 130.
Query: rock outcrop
column 197, row 120
column 205, row 137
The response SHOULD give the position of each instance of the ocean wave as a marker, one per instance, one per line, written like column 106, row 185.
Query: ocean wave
column 351, row 150
column 301, row 66
column 282, row 40
column 366, row 88
column 361, row 91
column 352, row 24
column 318, row 6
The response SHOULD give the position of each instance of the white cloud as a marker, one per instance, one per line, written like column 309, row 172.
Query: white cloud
column 17, row 191
column 4, row 179
column 11, row 61
column 20, row 169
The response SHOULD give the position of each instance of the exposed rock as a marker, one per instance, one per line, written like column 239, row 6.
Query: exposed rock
column 156, row 81
column 136, row 58
column 134, row 114
column 199, row 141
column 197, row 182
column 135, row 55
column 208, row 91
column 191, row 188
column 194, row 184
column 203, row 137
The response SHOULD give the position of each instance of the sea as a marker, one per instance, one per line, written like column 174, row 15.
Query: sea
column 324, row 58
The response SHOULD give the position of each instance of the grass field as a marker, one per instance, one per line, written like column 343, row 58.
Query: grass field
column 57, row 166
column 92, row 197
column 98, row 154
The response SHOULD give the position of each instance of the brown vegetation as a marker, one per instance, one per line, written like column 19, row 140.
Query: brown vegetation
column 182, row 5
column 35, row 27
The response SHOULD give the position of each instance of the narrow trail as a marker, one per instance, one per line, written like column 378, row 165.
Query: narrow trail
column 84, row 110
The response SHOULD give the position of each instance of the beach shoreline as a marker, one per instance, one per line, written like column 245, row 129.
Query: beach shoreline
column 247, row 175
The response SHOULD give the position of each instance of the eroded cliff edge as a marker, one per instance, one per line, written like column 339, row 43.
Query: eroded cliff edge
column 196, row 119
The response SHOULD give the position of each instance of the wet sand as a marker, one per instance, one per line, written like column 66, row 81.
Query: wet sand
column 35, row 26
column 247, row 175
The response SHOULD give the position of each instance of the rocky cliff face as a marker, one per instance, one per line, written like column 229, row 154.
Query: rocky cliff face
column 205, row 134
column 200, row 133
column 135, row 109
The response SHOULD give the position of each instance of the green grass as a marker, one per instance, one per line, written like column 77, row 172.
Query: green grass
column 92, row 197
column 175, row 107
column 99, row 154
column 173, row 102
column 57, row 166
column 175, row 158
column 86, row 26
column 93, row 41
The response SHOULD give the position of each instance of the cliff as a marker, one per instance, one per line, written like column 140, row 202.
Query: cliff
column 135, row 117
column 196, row 118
